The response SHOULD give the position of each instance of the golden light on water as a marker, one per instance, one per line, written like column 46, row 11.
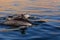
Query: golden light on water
column 15, row 6
column 22, row 4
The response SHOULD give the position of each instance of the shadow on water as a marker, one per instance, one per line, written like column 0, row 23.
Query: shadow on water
column 46, row 31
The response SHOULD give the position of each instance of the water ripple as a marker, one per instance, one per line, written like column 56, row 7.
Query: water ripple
column 46, row 31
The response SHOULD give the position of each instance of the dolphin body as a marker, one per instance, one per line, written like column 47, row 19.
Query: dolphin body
column 21, row 22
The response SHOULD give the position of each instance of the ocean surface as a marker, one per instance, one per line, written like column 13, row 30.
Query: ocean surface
column 48, row 10
column 46, row 31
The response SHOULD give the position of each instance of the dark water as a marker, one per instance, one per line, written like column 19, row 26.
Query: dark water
column 46, row 31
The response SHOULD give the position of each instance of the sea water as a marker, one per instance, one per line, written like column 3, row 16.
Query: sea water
column 46, row 31
column 49, row 10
